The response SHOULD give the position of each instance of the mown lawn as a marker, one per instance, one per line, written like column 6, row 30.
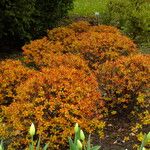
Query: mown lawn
column 88, row 7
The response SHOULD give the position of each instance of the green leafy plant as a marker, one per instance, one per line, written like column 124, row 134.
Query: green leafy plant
column 32, row 133
column 1, row 146
column 77, row 144
column 145, row 141
column 131, row 16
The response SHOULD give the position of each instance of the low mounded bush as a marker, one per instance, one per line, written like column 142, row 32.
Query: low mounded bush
column 54, row 99
column 58, row 88
column 125, row 83
column 42, row 53
column 60, row 34
column 96, row 44
column 106, row 29
column 80, row 26
column 12, row 74
column 40, row 49
column 100, row 47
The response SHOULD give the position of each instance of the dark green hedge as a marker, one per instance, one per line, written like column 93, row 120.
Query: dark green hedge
column 22, row 20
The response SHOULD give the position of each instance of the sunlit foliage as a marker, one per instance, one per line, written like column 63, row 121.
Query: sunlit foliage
column 53, row 99
column 125, row 83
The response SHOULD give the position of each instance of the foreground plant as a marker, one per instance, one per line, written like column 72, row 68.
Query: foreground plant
column 79, row 142
column 145, row 141
column 31, row 145
column 1, row 146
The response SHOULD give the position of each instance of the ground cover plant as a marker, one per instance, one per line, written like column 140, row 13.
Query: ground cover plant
column 72, row 75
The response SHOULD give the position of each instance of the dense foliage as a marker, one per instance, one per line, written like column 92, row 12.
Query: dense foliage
column 73, row 74
column 132, row 16
column 95, row 44
column 53, row 99
column 12, row 74
column 22, row 20
column 125, row 83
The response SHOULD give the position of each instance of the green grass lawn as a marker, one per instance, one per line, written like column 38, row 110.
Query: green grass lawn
column 88, row 7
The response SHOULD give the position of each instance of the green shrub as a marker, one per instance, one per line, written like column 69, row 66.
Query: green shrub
column 132, row 16
column 16, row 19
column 26, row 19
column 49, row 12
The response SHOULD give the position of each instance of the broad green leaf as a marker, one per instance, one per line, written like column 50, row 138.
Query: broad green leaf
column 38, row 144
column 46, row 146
column 71, row 144
column 95, row 148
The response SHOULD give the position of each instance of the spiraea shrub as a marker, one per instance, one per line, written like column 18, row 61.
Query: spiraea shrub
column 54, row 99
column 125, row 83
column 80, row 26
column 100, row 47
column 60, row 34
column 43, row 53
column 106, row 29
column 95, row 44
column 40, row 49
column 63, row 88
column 12, row 74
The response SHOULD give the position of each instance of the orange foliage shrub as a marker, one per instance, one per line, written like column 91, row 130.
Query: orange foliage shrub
column 80, row 26
column 54, row 99
column 96, row 43
column 64, row 36
column 106, row 29
column 40, row 49
column 63, row 90
column 42, row 53
column 125, row 83
column 12, row 74
column 60, row 34
column 100, row 47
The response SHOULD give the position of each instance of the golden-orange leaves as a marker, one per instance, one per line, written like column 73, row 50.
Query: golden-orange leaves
column 63, row 89
column 80, row 26
column 60, row 34
column 124, row 80
column 106, row 46
column 96, row 44
column 12, row 74
column 106, row 29
column 54, row 99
